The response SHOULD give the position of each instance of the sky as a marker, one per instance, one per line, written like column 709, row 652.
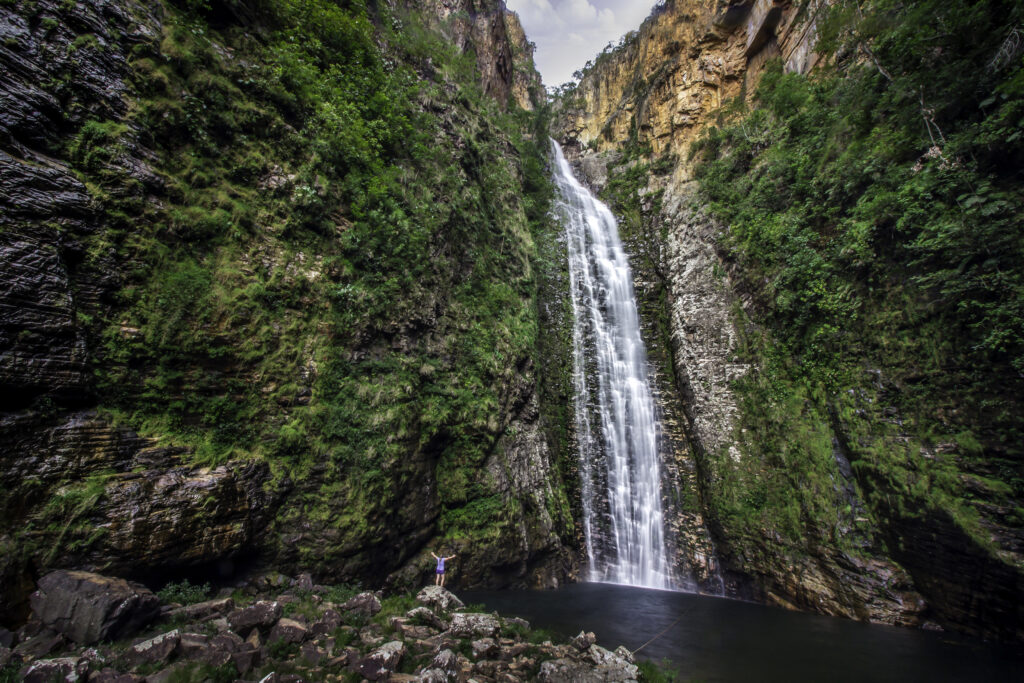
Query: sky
column 569, row 32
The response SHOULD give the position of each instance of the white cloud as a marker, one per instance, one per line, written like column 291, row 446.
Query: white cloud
column 570, row 32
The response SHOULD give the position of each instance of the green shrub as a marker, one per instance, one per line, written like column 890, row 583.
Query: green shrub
column 183, row 592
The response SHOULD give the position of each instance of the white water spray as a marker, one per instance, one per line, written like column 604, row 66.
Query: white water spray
column 616, row 424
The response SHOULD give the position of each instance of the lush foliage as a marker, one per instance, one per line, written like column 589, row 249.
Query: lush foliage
column 331, row 263
column 875, row 211
column 184, row 592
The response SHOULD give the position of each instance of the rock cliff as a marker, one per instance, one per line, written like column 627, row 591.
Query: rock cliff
column 630, row 125
column 232, row 329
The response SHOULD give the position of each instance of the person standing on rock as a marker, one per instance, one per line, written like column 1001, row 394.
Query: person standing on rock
column 439, row 574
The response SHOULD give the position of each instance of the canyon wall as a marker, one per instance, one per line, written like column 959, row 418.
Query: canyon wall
column 827, row 535
column 233, row 332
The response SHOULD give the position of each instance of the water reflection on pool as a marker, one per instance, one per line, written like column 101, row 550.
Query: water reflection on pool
column 727, row 640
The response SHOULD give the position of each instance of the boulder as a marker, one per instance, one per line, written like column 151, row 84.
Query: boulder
column 229, row 642
column 379, row 664
column 155, row 650
column 432, row 676
column 467, row 625
column 261, row 614
column 328, row 622
column 484, row 648
column 304, row 582
column 439, row 598
column 245, row 660
column 365, row 603
column 62, row 669
column 446, row 661
column 88, row 608
column 288, row 630
column 583, row 641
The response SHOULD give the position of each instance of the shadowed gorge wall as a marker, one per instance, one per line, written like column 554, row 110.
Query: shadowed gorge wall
column 849, row 388
column 271, row 278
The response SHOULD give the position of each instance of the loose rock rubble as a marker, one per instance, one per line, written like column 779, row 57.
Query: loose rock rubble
column 276, row 630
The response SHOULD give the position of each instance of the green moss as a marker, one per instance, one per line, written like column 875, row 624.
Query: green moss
column 331, row 263
column 879, row 258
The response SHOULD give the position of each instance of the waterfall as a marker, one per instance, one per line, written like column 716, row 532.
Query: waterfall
column 616, row 422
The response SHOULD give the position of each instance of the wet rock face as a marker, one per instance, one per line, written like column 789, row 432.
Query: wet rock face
column 42, row 349
column 88, row 608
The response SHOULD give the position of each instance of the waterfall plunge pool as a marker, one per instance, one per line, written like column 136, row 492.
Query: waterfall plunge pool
column 720, row 640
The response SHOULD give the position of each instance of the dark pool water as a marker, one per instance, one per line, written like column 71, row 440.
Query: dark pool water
column 727, row 640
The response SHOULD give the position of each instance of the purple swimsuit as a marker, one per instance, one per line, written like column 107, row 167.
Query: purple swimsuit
column 440, row 565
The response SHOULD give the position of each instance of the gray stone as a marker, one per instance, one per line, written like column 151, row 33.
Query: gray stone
column 228, row 642
column 583, row 641
column 88, row 608
column 382, row 661
column 304, row 582
column 245, row 660
column 446, row 661
column 328, row 622
column 484, row 648
column 262, row 614
column 439, row 598
column 156, row 649
column 465, row 625
column 62, row 669
column 288, row 630
column 366, row 604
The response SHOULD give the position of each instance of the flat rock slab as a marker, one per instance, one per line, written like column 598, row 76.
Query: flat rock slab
column 88, row 608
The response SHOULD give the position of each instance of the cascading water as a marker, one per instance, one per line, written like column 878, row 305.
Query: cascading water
column 616, row 423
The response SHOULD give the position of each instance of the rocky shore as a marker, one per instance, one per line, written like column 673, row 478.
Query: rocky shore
column 274, row 629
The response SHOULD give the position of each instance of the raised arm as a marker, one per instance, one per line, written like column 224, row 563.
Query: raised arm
column 450, row 558
column 435, row 556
